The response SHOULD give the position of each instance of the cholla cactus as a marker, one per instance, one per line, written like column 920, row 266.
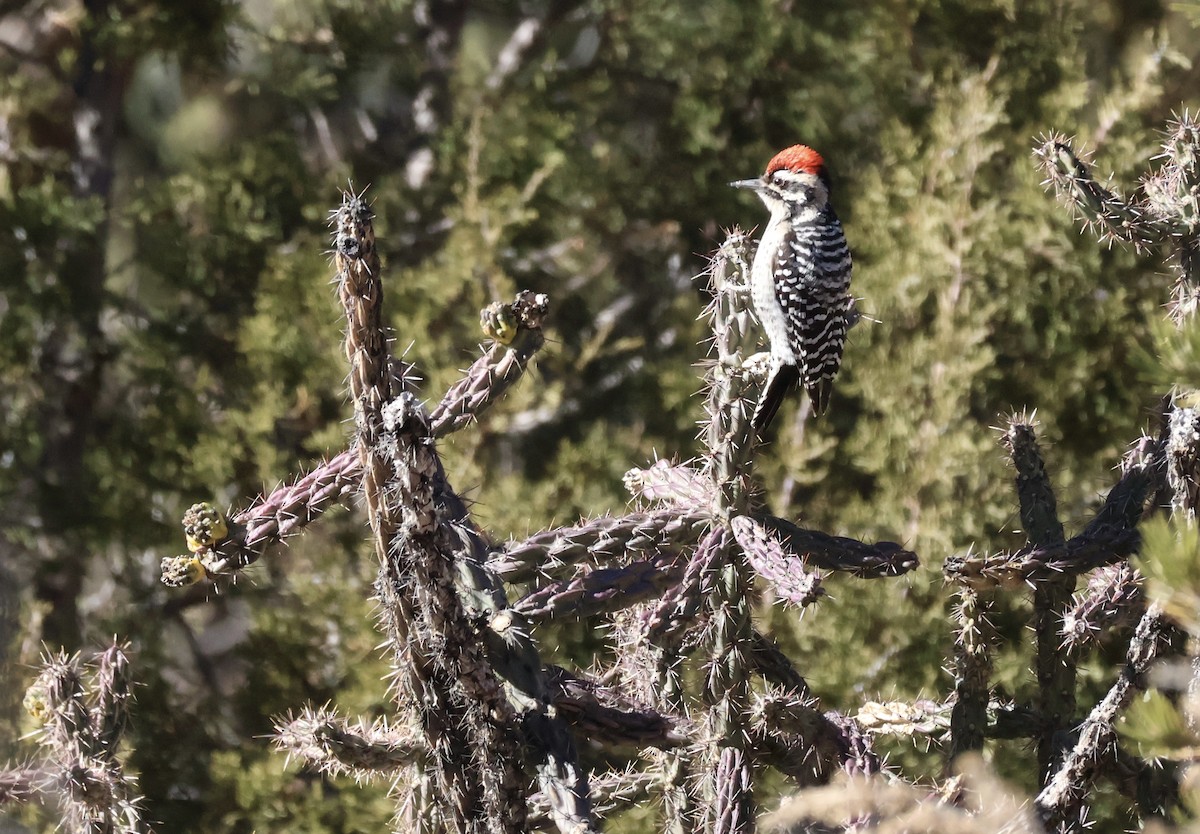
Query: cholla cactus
column 81, row 721
column 479, row 716
column 1167, row 215
column 691, row 691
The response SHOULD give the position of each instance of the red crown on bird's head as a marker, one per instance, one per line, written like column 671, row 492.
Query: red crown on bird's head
column 799, row 159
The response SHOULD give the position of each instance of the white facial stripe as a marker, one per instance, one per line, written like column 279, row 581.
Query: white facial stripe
column 785, row 177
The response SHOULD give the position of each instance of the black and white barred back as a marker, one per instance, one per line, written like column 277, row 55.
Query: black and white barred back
column 804, row 262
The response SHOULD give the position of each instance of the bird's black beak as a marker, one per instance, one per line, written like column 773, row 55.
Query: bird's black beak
column 756, row 184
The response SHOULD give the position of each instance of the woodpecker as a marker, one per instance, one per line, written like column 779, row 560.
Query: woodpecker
column 800, row 280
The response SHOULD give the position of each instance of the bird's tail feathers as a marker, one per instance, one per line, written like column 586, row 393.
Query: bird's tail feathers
column 820, row 392
column 781, row 380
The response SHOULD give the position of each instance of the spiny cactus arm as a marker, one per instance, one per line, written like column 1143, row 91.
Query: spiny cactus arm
column 1113, row 598
column 80, row 728
column 1183, row 461
column 603, row 714
column 1111, row 216
column 484, row 645
column 611, row 791
column 390, row 428
column 787, row 575
column 729, row 438
column 284, row 512
column 21, row 784
column 58, row 700
column 1087, row 551
column 837, row 553
column 903, row 718
column 806, row 743
column 600, row 540
column 678, row 608
column 512, row 656
column 1039, row 509
column 1143, row 473
column 1173, row 193
column 110, row 715
column 972, row 672
column 334, row 745
column 516, row 331
column 733, row 785
column 1054, row 666
column 601, row 590
column 664, row 482
column 1108, row 538
column 770, row 662
column 1063, row 796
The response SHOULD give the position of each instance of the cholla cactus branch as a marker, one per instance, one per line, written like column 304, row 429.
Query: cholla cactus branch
column 1039, row 509
column 1089, row 550
column 1169, row 214
column 611, row 791
column 335, row 745
column 599, row 540
column 423, row 687
column 21, row 784
column 595, row 591
column 733, row 786
column 1064, row 794
column 1055, row 668
column 679, row 607
column 111, row 712
column 1183, row 461
column 898, row 718
column 1173, row 193
column 287, row 510
column 500, row 675
column 728, row 434
column 499, row 368
column 81, row 725
column 729, row 437
column 1113, row 598
column 770, row 661
column 677, row 484
column 429, row 554
column 787, row 575
column 605, row 715
column 1143, row 472
column 837, row 553
column 1112, row 216
column 972, row 672
column 806, row 744
column 854, row 750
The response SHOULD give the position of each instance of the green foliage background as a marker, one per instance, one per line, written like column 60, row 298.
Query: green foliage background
column 168, row 333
